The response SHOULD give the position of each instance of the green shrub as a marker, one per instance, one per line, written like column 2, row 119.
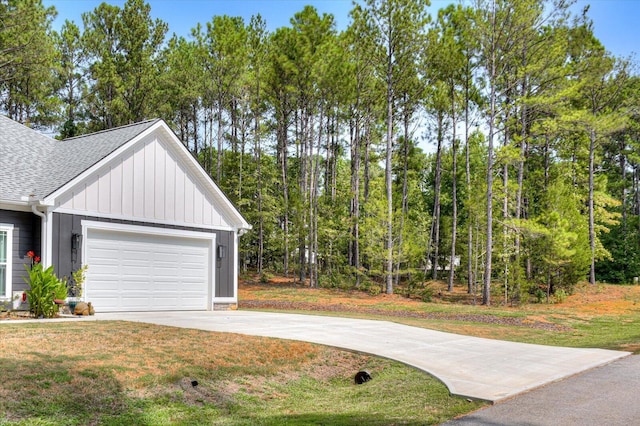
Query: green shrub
column 371, row 287
column 78, row 277
column 374, row 289
column 265, row 277
column 416, row 287
column 44, row 289
column 560, row 296
column 426, row 294
column 335, row 280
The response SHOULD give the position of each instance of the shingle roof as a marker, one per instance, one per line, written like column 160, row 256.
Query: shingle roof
column 34, row 164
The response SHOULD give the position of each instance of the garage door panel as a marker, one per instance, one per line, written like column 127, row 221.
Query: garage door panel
column 139, row 272
column 132, row 304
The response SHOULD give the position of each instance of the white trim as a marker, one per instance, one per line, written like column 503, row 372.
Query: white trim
column 8, row 228
column 212, row 274
column 18, row 207
column 141, row 220
column 47, row 239
column 221, row 300
column 236, row 263
column 148, row 230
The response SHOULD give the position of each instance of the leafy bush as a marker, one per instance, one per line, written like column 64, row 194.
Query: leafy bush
column 541, row 296
column 371, row 287
column 78, row 277
column 44, row 289
column 416, row 287
column 560, row 296
column 265, row 277
column 335, row 280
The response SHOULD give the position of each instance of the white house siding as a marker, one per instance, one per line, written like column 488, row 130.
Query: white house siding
column 148, row 182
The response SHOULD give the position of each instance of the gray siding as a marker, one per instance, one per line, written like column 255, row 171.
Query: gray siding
column 26, row 236
column 64, row 260
column 224, row 267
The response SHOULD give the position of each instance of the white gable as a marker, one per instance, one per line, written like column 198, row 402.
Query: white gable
column 149, row 181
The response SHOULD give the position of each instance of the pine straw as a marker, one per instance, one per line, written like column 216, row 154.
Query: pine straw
column 600, row 299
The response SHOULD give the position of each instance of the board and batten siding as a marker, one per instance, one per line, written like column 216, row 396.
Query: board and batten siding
column 148, row 182
column 26, row 236
column 64, row 260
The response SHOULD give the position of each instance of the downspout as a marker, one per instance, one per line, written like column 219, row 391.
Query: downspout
column 38, row 212
column 44, row 236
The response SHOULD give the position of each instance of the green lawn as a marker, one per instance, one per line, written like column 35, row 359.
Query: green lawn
column 116, row 373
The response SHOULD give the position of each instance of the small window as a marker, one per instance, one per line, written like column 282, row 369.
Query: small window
column 6, row 238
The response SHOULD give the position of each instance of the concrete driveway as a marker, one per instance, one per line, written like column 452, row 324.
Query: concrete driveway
column 472, row 367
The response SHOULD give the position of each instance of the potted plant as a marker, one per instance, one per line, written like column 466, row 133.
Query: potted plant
column 75, row 288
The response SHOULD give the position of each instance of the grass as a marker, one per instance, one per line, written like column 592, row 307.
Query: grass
column 117, row 373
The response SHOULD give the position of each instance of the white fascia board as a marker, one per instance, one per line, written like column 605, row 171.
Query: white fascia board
column 51, row 198
column 15, row 206
column 142, row 220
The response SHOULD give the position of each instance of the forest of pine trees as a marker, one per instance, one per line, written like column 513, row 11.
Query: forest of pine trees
column 501, row 138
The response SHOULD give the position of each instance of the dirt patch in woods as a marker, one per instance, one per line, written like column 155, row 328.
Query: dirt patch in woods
column 479, row 318
column 284, row 294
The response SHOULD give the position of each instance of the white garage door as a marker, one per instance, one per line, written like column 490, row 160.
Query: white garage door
column 131, row 271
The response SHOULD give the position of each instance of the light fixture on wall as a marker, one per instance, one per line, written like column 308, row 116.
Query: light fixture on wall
column 76, row 245
column 221, row 252
column 76, row 241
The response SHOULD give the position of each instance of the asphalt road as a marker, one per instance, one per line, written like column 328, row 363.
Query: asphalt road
column 603, row 396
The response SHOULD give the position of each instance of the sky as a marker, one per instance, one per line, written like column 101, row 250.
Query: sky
column 615, row 21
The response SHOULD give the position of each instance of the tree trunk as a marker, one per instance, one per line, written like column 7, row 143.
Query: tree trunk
column 219, row 140
column 486, row 289
column 436, row 201
column 592, row 232
column 388, row 174
column 354, row 253
column 467, row 160
column 282, row 160
column 405, row 201
column 505, row 212
column 454, row 193
column 258, row 159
